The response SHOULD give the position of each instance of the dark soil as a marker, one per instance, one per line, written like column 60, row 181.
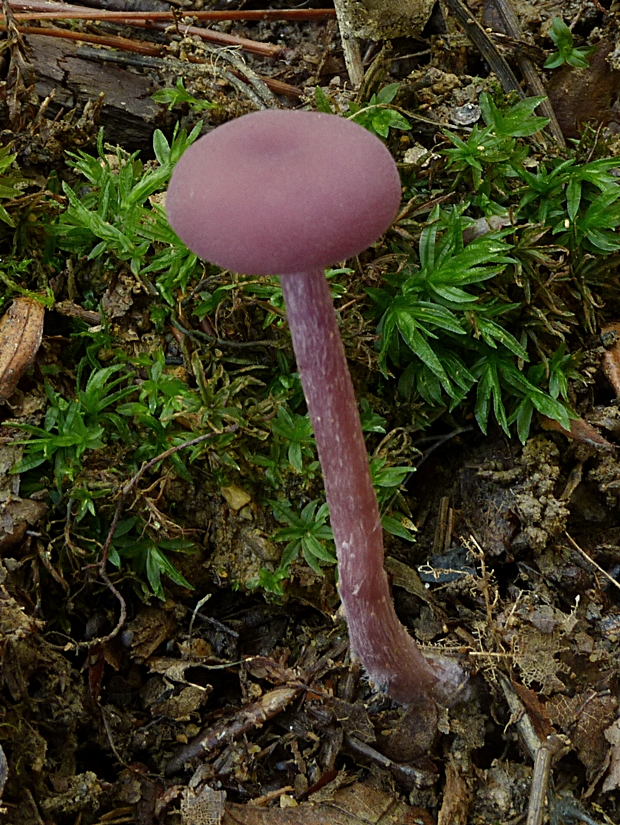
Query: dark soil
column 228, row 705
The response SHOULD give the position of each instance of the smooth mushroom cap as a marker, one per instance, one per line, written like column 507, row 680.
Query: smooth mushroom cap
column 277, row 192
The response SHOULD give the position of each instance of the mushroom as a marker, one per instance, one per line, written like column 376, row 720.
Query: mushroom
column 289, row 193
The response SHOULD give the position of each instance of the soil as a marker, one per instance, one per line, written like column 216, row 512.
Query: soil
column 228, row 705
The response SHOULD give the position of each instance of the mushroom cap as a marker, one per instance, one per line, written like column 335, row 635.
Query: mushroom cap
column 277, row 192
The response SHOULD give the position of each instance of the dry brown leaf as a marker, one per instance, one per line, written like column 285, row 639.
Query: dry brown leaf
column 586, row 718
column 611, row 358
column 206, row 807
column 21, row 331
column 151, row 627
column 17, row 516
column 612, row 780
column 457, row 797
column 358, row 804
column 579, row 431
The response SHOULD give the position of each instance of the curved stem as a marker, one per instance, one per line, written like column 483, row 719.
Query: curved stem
column 391, row 658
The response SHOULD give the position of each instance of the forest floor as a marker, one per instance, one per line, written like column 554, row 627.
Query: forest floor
column 160, row 661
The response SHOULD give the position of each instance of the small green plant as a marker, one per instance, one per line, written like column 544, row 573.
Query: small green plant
column 292, row 446
column 8, row 189
column 378, row 115
column 148, row 556
column 441, row 327
column 117, row 218
column 179, row 94
column 555, row 374
column 574, row 196
column 85, row 498
column 74, row 426
column 164, row 399
column 492, row 154
column 387, row 481
column 296, row 431
column 307, row 533
column 566, row 52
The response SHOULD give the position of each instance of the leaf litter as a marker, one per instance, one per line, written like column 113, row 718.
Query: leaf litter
column 251, row 704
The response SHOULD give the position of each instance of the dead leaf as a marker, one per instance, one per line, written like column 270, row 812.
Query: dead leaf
column 72, row 310
column 183, row 704
column 21, row 331
column 357, row 804
column 586, row 718
column 16, row 516
column 119, row 297
column 206, row 807
column 151, row 627
column 457, row 796
column 579, row 431
column 612, row 780
column 611, row 358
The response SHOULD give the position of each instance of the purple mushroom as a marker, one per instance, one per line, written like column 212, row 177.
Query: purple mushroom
column 289, row 193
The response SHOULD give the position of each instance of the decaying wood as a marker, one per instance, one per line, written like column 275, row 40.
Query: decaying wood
column 384, row 19
column 245, row 719
column 479, row 37
column 128, row 113
column 350, row 46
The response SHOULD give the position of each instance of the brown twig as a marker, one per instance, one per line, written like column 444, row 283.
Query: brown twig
column 485, row 46
column 124, row 57
column 591, row 561
column 214, row 16
column 224, row 731
column 210, row 35
column 350, row 46
column 551, row 749
column 113, row 41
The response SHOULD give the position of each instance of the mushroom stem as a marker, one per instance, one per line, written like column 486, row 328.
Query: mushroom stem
column 390, row 656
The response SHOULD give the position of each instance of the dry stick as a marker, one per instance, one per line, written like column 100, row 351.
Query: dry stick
column 137, row 46
column 127, row 16
column 543, row 752
column 212, row 36
column 350, row 47
column 485, row 46
column 241, row 71
column 418, row 777
column 513, row 29
column 124, row 57
column 226, row 730
column 151, row 50
column 591, row 561
column 550, row 750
